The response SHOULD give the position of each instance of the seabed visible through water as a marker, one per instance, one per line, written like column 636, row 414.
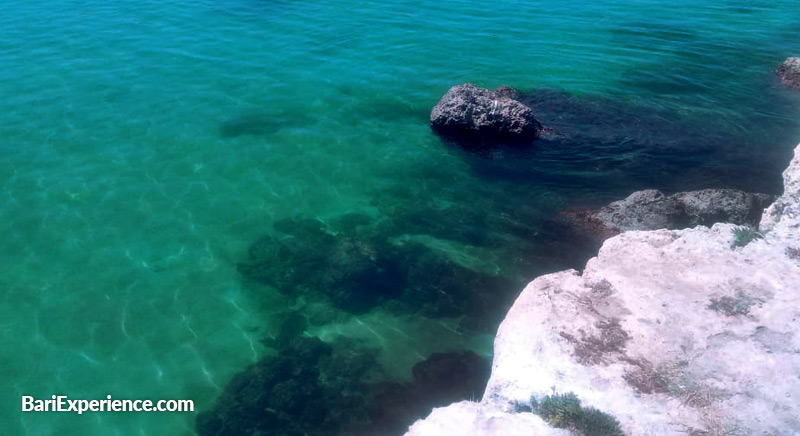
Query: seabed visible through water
column 192, row 188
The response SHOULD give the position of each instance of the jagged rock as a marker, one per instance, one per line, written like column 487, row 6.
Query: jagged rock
column 709, row 206
column 672, row 332
column 471, row 114
column 789, row 72
column 652, row 210
column 643, row 210
column 782, row 218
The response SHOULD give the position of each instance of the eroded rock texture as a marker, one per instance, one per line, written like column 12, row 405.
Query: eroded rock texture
column 789, row 72
column 471, row 114
column 652, row 210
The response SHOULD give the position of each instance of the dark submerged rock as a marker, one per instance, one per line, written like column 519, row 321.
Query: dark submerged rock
column 272, row 395
column 357, row 268
column 475, row 115
column 651, row 210
column 355, row 273
column 441, row 379
column 709, row 206
column 789, row 72
column 453, row 375
column 643, row 210
column 438, row 287
column 540, row 245
column 288, row 325
column 261, row 124
column 314, row 388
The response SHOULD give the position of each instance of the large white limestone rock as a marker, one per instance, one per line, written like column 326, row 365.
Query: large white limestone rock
column 475, row 419
column 671, row 332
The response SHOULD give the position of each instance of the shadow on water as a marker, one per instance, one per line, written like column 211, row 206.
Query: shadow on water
column 261, row 124
column 602, row 146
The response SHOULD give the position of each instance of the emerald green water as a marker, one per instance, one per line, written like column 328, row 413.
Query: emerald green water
column 146, row 145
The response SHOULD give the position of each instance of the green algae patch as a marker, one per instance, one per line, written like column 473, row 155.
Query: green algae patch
column 565, row 411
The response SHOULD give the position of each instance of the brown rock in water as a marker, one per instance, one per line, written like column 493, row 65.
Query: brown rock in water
column 438, row 381
column 472, row 114
column 652, row 210
column 789, row 72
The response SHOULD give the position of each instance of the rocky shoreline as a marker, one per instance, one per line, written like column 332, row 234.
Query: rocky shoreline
column 670, row 332
column 572, row 344
column 652, row 210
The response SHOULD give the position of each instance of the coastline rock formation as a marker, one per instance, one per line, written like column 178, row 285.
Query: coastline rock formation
column 652, row 210
column 471, row 114
column 670, row 332
column 789, row 72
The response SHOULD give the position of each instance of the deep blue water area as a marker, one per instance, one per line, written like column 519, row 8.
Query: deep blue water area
column 196, row 190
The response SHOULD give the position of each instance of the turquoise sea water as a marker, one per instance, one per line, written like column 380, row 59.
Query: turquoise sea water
column 147, row 144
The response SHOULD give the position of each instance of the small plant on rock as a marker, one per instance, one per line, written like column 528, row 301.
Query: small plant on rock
column 565, row 411
column 744, row 235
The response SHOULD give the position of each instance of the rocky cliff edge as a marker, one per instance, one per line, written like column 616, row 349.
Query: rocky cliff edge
column 682, row 332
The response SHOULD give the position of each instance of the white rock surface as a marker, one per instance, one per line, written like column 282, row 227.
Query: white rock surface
column 671, row 332
column 782, row 219
column 475, row 419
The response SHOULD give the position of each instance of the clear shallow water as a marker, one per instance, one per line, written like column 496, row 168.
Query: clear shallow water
column 146, row 145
